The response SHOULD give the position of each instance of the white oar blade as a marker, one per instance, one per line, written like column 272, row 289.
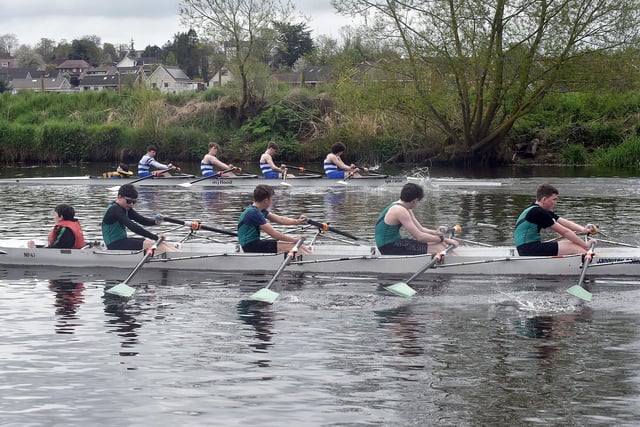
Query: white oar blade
column 113, row 188
column 286, row 184
column 401, row 289
column 121, row 289
column 341, row 182
column 580, row 292
column 185, row 184
column 264, row 295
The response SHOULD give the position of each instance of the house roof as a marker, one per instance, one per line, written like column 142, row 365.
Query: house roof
column 15, row 73
column 73, row 63
column 99, row 80
column 177, row 74
column 49, row 83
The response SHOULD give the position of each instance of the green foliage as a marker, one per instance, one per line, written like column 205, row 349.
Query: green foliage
column 574, row 154
column 623, row 156
column 62, row 141
column 18, row 142
column 184, row 143
column 288, row 149
column 276, row 121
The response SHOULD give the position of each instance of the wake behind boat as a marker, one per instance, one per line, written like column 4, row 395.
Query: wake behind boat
column 354, row 260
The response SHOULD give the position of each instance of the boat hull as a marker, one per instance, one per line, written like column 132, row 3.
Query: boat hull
column 213, row 183
column 332, row 259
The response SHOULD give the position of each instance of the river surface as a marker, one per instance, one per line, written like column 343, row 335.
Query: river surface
column 333, row 350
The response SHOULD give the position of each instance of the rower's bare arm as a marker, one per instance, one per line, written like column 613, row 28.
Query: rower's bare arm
column 268, row 228
column 569, row 234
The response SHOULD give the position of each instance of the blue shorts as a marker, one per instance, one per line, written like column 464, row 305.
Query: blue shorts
column 128, row 244
column 267, row 246
column 336, row 175
column 404, row 247
column 144, row 174
column 538, row 249
column 271, row 175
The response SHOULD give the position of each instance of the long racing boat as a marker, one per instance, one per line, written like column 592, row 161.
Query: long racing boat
column 247, row 180
column 359, row 260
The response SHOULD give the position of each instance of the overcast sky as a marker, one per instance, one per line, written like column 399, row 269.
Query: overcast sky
column 147, row 22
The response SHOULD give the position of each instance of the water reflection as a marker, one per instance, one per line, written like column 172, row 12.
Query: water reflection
column 405, row 329
column 121, row 319
column 68, row 297
column 548, row 327
column 260, row 316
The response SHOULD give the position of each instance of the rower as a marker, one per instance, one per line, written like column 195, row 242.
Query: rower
column 148, row 161
column 268, row 167
column 210, row 161
column 539, row 215
column 400, row 214
column 335, row 168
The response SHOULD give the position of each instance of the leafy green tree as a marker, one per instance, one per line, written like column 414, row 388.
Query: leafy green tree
column 293, row 42
column 478, row 67
column 109, row 53
column 87, row 50
column 46, row 48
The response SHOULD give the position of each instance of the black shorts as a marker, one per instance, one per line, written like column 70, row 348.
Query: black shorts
column 128, row 244
column 538, row 249
column 268, row 246
column 404, row 247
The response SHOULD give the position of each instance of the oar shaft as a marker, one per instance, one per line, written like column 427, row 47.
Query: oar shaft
column 326, row 227
column 195, row 225
column 287, row 260
column 148, row 254
column 587, row 260
column 436, row 259
column 303, row 169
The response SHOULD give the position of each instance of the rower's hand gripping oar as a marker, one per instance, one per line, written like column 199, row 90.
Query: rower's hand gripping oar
column 123, row 289
column 578, row 290
column 403, row 289
column 215, row 175
column 116, row 187
column 267, row 295
column 323, row 226
column 195, row 225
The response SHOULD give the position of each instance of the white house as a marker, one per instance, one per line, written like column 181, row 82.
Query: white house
column 171, row 80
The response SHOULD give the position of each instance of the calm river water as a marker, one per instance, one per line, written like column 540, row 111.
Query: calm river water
column 187, row 350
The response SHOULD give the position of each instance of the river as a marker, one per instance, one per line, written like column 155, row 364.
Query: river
column 333, row 350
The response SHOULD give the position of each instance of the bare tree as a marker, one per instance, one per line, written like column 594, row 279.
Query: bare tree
column 477, row 66
column 239, row 26
column 8, row 44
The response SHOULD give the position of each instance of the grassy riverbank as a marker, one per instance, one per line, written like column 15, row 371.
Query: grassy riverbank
column 573, row 128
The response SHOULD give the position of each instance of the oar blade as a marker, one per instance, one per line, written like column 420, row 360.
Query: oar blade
column 580, row 292
column 285, row 184
column 401, row 289
column 264, row 295
column 185, row 184
column 343, row 182
column 122, row 290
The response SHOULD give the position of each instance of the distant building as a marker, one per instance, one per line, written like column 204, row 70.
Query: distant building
column 97, row 82
column 7, row 63
column 170, row 80
column 47, row 84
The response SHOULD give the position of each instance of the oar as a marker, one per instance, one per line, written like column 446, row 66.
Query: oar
column 195, row 225
column 344, row 181
column 368, row 170
column 132, row 182
column 323, row 226
column 123, row 289
column 303, row 170
column 217, row 174
column 267, row 295
column 284, row 177
column 578, row 290
column 403, row 289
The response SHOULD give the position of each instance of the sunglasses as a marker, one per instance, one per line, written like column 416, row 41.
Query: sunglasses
column 130, row 201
